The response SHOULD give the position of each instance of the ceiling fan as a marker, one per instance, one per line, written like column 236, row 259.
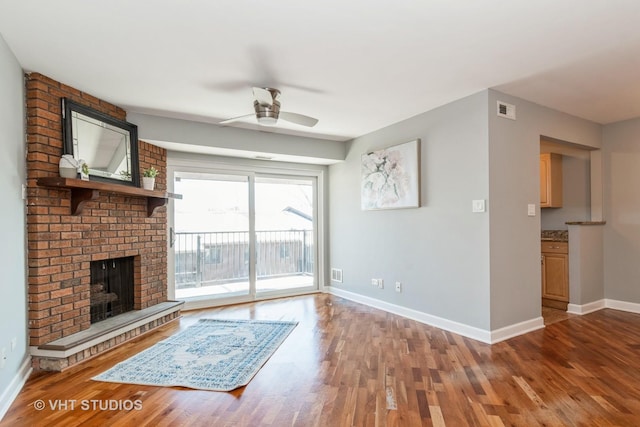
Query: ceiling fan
column 267, row 110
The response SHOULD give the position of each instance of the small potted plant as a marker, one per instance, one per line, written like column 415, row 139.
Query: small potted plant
column 84, row 170
column 149, row 178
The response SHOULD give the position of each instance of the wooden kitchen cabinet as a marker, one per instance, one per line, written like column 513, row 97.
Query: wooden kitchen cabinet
column 555, row 274
column 550, row 180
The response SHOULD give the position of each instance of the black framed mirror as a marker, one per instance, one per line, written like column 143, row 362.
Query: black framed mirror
column 109, row 146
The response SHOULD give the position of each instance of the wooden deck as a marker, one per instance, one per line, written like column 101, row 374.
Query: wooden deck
column 350, row 365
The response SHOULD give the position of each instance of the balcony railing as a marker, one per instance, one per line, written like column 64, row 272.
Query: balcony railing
column 205, row 259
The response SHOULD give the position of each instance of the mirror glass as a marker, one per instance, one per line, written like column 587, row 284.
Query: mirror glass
column 107, row 145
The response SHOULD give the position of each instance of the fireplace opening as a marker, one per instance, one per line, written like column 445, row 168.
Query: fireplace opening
column 111, row 288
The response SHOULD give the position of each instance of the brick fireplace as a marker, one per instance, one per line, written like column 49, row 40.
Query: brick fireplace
column 62, row 246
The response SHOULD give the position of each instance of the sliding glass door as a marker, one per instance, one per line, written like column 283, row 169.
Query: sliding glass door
column 284, row 212
column 243, row 236
column 211, row 241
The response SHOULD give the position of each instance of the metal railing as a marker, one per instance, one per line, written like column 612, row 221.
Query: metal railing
column 211, row 258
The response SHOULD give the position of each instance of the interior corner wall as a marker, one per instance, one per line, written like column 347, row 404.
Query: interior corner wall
column 621, row 159
column 514, row 182
column 440, row 251
column 13, row 304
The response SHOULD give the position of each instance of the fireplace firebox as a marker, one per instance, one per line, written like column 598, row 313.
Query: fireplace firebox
column 112, row 288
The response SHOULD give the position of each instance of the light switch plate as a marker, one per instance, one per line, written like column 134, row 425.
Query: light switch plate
column 478, row 206
column 531, row 209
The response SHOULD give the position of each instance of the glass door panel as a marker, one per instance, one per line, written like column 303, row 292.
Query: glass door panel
column 285, row 234
column 212, row 235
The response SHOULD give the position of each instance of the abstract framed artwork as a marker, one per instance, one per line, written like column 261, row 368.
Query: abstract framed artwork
column 390, row 177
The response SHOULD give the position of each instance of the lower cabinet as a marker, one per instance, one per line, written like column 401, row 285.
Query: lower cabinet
column 555, row 274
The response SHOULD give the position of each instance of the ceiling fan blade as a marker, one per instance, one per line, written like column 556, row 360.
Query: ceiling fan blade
column 298, row 119
column 235, row 119
column 263, row 96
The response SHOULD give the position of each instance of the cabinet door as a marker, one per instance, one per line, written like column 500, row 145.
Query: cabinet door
column 555, row 276
column 544, row 181
column 550, row 180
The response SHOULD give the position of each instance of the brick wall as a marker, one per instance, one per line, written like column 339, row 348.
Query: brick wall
column 60, row 245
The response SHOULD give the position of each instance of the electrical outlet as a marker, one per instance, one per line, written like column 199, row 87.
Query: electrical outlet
column 381, row 283
column 374, row 282
column 478, row 206
column 14, row 342
column 398, row 287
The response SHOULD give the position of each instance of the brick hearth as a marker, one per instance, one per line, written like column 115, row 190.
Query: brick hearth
column 61, row 245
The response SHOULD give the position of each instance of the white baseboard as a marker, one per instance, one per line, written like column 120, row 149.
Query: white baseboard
column 631, row 307
column 489, row 337
column 10, row 394
column 586, row 308
column 516, row 329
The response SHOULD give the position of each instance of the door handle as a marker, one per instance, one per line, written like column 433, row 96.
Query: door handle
column 172, row 237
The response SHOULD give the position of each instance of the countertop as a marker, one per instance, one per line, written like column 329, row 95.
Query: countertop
column 554, row 236
column 586, row 223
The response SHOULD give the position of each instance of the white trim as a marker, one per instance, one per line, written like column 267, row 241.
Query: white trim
column 428, row 319
column 516, row 329
column 199, row 303
column 489, row 337
column 15, row 386
column 586, row 308
column 631, row 307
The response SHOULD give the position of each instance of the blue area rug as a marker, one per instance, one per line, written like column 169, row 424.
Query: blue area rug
column 213, row 354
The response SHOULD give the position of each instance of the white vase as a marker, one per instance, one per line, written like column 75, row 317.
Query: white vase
column 148, row 183
column 68, row 167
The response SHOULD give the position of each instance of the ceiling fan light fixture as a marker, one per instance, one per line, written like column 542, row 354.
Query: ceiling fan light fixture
column 267, row 120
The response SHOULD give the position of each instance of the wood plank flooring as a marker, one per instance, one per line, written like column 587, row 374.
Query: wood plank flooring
column 350, row 365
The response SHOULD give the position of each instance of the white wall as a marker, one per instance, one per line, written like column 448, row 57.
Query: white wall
column 514, row 171
column 440, row 251
column 13, row 304
column 621, row 158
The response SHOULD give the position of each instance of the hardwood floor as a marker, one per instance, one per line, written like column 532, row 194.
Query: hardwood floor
column 554, row 315
column 350, row 365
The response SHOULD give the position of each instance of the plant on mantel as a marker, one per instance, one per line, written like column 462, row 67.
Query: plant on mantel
column 149, row 178
column 150, row 173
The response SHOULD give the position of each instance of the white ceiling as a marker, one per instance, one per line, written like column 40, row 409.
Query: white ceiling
column 356, row 65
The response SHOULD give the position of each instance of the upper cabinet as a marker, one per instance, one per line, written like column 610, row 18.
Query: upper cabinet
column 550, row 180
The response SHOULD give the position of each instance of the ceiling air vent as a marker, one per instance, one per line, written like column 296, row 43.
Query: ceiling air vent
column 508, row 111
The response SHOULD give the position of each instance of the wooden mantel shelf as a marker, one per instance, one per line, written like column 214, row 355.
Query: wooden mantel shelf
column 84, row 191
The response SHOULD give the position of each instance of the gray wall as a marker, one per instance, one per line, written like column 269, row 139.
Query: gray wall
column 514, row 155
column 621, row 158
column 481, row 270
column 440, row 251
column 586, row 264
column 13, row 304
column 576, row 197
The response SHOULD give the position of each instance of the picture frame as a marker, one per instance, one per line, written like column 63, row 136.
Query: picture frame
column 390, row 177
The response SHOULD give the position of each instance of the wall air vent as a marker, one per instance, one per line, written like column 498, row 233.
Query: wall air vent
column 336, row 275
column 508, row 111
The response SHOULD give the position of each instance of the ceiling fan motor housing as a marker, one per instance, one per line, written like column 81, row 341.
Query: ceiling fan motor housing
column 265, row 113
